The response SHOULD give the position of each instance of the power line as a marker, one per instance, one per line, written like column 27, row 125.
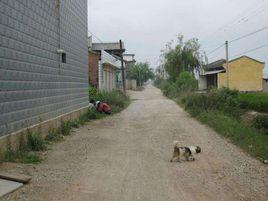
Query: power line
column 214, row 50
column 241, row 18
column 239, row 38
column 251, row 50
column 95, row 36
column 249, row 34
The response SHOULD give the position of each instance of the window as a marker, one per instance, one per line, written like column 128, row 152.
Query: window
column 63, row 57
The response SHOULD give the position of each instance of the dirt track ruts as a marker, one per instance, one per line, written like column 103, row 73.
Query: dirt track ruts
column 126, row 158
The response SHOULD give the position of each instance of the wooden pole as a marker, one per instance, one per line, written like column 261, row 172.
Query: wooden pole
column 227, row 65
column 122, row 67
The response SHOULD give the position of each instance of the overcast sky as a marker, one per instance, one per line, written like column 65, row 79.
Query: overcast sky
column 147, row 25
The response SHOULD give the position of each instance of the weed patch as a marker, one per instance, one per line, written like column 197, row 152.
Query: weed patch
column 36, row 142
column 54, row 135
column 66, row 128
column 29, row 157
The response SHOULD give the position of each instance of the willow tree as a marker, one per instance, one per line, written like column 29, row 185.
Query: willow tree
column 180, row 55
column 140, row 72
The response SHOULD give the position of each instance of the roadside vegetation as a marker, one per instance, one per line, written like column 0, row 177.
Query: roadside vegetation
column 32, row 145
column 222, row 109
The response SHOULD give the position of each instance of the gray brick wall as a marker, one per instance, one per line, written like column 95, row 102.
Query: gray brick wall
column 34, row 84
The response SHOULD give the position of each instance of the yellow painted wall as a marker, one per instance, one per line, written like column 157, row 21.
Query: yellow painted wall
column 245, row 74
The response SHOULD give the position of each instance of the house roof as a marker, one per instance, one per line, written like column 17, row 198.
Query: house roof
column 214, row 72
column 217, row 65
column 93, row 52
column 248, row 58
column 110, row 59
column 107, row 46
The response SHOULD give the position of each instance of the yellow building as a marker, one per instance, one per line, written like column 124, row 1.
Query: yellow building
column 245, row 74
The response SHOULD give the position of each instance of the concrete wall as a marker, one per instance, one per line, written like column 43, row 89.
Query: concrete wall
column 34, row 84
column 245, row 75
column 109, row 78
column 93, row 68
column 202, row 82
column 131, row 84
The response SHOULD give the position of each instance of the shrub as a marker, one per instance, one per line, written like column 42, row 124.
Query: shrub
column 92, row 92
column 36, row 142
column 158, row 81
column 170, row 90
column 261, row 122
column 185, row 82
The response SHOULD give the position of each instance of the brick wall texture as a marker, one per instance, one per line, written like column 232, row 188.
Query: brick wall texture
column 93, row 68
column 34, row 84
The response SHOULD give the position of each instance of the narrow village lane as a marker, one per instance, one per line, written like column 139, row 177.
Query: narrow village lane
column 125, row 157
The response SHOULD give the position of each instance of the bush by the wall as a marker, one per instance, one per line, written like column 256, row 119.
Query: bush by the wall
column 116, row 98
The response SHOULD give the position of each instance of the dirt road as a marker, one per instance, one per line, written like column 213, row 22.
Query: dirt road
column 126, row 158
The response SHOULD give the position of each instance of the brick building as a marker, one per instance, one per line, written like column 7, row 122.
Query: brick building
column 93, row 68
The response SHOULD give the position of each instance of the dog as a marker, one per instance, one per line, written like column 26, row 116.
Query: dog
column 186, row 152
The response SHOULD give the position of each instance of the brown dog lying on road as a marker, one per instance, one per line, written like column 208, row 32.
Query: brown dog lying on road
column 186, row 152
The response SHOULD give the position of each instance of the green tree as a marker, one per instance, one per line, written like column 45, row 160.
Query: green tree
column 182, row 56
column 140, row 72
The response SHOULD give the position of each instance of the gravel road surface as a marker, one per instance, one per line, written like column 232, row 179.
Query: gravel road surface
column 125, row 157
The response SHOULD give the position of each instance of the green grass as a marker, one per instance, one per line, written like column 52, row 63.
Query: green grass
column 254, row 101
column 29, row 157
column 244, row 136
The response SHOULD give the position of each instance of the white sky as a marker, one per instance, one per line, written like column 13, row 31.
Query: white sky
column 147, row 25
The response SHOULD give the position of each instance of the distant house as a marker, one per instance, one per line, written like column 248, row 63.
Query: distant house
column 245, row 74
column 104, row 65
column 265, row 84
column 129, row 58
column 107, row 71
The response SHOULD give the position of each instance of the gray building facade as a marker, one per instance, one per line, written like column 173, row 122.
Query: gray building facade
column 43, row 61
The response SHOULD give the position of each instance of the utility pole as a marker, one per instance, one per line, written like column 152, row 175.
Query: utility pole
column 122, row 67
column 227, row 65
